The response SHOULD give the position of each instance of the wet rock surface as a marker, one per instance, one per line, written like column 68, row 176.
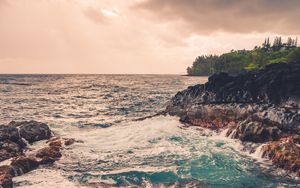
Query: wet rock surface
column 32, row 131
column 258, row 107
column 14, row 138
column 284, row 153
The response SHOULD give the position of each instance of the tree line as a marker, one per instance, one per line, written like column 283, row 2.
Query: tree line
column 238, row 61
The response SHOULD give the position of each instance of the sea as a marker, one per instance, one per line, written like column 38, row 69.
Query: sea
column 116, row 150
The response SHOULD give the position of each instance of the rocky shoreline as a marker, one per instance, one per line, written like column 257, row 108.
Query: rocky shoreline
column 256, row 107
column 14, row 140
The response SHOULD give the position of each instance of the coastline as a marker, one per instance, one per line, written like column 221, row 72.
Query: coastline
column 126, row 136
column 259, row 107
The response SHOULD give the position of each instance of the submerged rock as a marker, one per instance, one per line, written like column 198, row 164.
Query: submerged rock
column 259, row 106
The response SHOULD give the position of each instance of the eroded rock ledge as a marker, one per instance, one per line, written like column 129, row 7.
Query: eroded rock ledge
column 14, row 139
column 261, row 107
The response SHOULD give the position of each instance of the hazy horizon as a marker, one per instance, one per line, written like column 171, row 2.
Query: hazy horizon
column 133, row 36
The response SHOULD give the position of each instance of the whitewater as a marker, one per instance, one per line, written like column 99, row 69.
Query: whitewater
column 114, row 149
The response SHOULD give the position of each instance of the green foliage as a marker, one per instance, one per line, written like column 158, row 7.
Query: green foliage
column 294, row 55
column 239, row 61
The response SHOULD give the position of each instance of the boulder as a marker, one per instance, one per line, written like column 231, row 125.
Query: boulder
column 13, row 136
column 32, row 130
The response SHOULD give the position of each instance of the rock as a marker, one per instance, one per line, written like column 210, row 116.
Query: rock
column 32, row 130
column 6, row 169
column 6, row 174
column 51, row 152
column 13, row 139
column 23, row 165
column 69, row 141
column 6, row 181
column 10, row 142
column 266, row 96
column 254, row 131
column 47, row 160
column 258, row 107
column 59, row 142
column 284, row 153
column 9, row 149
column 13, row 136
column 56, row 144
column 276, row 84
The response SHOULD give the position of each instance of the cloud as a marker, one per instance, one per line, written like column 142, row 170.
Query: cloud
column 231, row 16
column 95, row 15
column 3, row 3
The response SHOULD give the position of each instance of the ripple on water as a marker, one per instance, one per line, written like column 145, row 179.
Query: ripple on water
column 98, row 110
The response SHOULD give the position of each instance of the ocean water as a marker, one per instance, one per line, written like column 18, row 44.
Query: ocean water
column 117, row 151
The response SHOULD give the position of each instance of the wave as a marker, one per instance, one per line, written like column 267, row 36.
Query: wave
column 155, row 151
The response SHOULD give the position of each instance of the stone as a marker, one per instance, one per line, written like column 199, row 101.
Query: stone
column 51, row 152
column 258, row 106
column 23, row 164
column 32, row 130
column 284, row 153
column 69, row 141
column 6, row 181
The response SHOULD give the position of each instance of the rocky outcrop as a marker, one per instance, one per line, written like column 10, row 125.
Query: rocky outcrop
column 14, row 138
column 260, row 106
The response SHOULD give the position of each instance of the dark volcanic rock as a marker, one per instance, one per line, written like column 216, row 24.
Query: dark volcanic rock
column 10, row 142
column 69, row 141
column 32, row 130
column 23, row 165
column 275, row 84
column 254, row 131
column 14, row 135
column 284, row 153
column 270, row 96
column 51, row 152
column 6, row 174
column 259, row 106
column 6, row 181
column 13, row 139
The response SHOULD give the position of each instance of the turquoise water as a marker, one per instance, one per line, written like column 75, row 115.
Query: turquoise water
column 117, row 151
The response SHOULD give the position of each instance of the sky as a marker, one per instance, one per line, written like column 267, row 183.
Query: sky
column 134, row 36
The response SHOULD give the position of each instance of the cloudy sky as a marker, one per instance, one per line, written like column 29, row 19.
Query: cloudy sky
column 133, row 36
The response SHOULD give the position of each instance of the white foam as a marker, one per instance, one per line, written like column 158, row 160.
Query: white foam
column 45, row 178
column 126, row 147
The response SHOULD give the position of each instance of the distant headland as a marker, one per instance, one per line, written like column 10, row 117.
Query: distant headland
column 239, row 61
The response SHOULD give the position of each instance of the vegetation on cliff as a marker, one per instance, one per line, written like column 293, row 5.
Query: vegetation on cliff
column 238, row 61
